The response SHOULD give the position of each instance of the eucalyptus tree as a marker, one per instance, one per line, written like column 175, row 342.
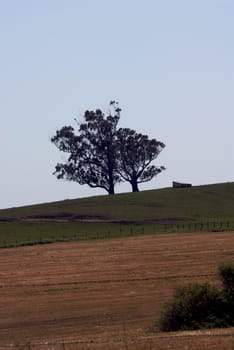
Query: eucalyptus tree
column 92, row 152
column 99, row 154
column 136, row 153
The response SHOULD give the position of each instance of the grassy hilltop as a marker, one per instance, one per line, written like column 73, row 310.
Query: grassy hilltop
column 122, row 214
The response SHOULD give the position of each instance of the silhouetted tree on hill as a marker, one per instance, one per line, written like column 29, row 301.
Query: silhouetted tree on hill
column 137, row 152
column 92, row 154
column 101, row 155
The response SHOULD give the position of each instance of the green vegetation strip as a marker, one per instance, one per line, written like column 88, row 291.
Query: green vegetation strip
column 13, row 234
column 200, row 208
column 20, row 233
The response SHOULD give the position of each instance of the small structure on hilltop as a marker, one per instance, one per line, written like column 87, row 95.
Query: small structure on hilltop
column 180, row 185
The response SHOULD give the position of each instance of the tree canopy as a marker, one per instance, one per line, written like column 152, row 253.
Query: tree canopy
column 102, row 155
column 137, row 152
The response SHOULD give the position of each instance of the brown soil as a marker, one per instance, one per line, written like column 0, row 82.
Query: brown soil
column 106, row 294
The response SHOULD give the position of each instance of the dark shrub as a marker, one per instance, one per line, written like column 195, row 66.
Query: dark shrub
column 226, row 272
column 194, row 306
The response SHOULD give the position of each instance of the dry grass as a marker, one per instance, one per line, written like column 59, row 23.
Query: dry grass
column 106, row 294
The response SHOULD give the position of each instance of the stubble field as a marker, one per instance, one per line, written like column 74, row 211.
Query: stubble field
column 106, row 294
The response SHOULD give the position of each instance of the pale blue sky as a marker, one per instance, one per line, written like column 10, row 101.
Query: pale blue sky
column 169, row 63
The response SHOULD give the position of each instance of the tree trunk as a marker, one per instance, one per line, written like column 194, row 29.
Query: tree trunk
column 134, row 186
column 111, row 189
column 111, row 184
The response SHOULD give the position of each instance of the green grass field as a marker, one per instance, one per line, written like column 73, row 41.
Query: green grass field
column 18, row 233
column 209, row 207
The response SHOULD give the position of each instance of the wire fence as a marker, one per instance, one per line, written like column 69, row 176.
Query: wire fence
column 120, row 230
column 213, row 226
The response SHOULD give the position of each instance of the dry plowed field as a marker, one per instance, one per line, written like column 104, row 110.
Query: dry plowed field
column 106, row 294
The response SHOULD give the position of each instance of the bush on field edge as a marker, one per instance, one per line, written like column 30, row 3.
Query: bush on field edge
column 200, row 306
